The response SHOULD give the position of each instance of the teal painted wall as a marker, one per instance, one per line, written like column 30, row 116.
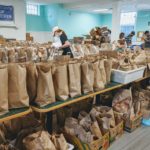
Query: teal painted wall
column 77, row 23
column 74, row 23
column 107, row 20
column 37, row 23
column 143, row 17
column 51, row 15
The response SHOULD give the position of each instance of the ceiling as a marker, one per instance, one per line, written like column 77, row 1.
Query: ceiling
column 90, row 5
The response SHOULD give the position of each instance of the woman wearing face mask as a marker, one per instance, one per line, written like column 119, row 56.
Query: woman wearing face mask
column 61, row 41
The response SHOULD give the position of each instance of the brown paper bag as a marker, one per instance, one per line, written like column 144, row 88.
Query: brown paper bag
column 60, row 142
column 4, row 57
column 23, row 134
column 102, row 70
column 32, row 81
column 11, row 56
column 95, row 129
column 104, row 110
column 61, row 82
column 104, row 122
column 108, row 67
column 122, row 101
column 45, row 87
column 17, row 91
column 98, row 81
column 14, row 126
column 87, row 77
column 3, row 89
column 74, row 79
column 38, row 141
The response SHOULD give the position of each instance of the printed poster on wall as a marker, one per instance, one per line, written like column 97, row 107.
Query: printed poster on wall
column 6, row 13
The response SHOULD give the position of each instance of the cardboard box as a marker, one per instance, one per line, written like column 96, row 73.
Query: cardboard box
column 74, row 141
column 105, row 142
column 95, row 145
column 131, row 125
column 98, row 144
column 112, row 134
column 120, row 129
column 116, row 132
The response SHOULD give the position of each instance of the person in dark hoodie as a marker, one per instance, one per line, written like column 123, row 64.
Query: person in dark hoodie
column 129, row 38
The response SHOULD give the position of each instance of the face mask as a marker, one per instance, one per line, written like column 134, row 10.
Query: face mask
column 57, row 34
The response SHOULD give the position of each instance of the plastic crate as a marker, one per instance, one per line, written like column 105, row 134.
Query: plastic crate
column 124, row 77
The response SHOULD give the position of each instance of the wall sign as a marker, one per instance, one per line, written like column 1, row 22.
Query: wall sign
column 6, row 13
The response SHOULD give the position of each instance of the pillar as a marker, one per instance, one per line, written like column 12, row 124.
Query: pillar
column 116, row 17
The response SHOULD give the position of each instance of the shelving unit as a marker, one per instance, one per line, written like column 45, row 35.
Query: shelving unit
column 60, row 104
column 15, row 113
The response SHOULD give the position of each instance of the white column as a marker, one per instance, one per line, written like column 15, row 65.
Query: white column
column 116, row 16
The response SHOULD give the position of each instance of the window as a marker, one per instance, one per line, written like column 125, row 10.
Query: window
column 128, row 21
column 33, row 9
column 128, row 18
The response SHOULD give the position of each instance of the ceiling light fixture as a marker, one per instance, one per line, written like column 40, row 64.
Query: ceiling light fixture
column 100, row 10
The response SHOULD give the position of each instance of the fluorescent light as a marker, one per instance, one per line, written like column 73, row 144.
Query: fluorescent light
column 100, row 10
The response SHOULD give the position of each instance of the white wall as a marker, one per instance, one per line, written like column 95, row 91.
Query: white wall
column 16, row 29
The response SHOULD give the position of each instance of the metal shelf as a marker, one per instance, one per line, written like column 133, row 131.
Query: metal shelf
column 60, row 104
column 15, row 113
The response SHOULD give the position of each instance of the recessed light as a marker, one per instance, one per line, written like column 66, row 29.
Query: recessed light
column 100, row 10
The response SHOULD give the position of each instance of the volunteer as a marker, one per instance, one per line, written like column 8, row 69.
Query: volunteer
column 61, row 41
column 129, row 38
column 121, row 43
column 145, row 35
column 145, row 39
